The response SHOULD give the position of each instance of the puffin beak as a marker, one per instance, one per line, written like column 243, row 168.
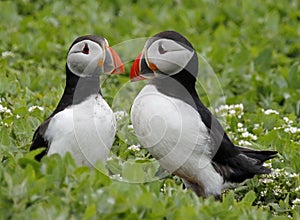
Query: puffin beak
column 112, row 63
column 140, row 70
column 135, row 71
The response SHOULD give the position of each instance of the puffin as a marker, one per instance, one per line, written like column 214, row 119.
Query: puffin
column 177, row 129
column 82, row 124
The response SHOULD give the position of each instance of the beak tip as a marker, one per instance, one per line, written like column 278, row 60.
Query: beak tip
column 117, row 63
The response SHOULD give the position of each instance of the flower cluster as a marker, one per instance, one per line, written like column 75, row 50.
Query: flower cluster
column 241, row 135
column 120, row 115
column 135, row 147
column 230, row 110
column 270, row 111
column 32, row 108
column 7, row 54
column 278, row 184
column 4, row 109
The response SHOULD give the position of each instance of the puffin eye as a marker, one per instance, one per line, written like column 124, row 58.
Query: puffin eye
column 86, row 49
column 161, row 50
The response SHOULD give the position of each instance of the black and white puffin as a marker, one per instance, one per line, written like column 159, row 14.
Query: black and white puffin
column 177, row 129
column 82, row 123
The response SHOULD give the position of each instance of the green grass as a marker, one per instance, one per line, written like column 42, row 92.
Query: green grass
column 252, row 46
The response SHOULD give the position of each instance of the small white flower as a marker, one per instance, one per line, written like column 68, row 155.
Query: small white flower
column 18, row 116
column 292, row 130
column 245, row 134
column 244, row 143
column 240, row 125
column 32, row 108
column 256, row 126
column 287, row 120
column 242, row 130
column 270, row 111
column 4, row 109
column 296, row 201
column 111, row 200
column 232, row 112
column 7, row 54
column 134, row 147
column 119, row 115
column 130, row 126
column 4, row 123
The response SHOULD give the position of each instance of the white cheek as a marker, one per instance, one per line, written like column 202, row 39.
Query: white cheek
column 83, row 65
column 170, row 62
column 76, row 63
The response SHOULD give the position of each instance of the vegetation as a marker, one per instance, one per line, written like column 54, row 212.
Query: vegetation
column 253, row 48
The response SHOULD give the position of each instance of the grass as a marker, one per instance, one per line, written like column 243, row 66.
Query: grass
column 252, row 46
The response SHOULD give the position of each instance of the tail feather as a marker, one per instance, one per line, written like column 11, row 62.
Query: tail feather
column 262, row 155
column 245, row 165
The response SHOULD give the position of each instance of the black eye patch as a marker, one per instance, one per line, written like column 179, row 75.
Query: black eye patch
column 161, row 50
column 86, row 49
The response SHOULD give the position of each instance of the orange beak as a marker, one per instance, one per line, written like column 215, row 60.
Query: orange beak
column 135, row 71
column 112, row 63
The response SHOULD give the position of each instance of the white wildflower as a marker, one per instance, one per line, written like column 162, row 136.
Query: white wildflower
column 253, row 137
column 130, row 126
column 244, row 143
column 120, row 115
column 230, row 110
column 134, row 147
column 32, row 108
column 4, row 123
column 263, row 193
column 296, row 201
column 256, row 126
column 4, row 109
column 267, row 180
column 292, row 175
column 245, row 134
column 240, row 125
column 287, row 120
column 292, row 130
column 268, row 164
column 7, row 54
column 18, row 116
column 99, row 191
column 270, row 111
column 111, row 200
column 242, row 130
column 297, row 189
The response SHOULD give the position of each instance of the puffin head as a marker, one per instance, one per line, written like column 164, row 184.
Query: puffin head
column 165, row 54
column 91, row 55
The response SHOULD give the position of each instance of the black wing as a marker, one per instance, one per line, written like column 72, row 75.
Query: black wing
column 39, row 141
column 224, row 147
column 234, row 163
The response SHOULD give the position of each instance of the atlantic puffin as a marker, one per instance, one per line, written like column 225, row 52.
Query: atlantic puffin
column 82, row 123
column 173, row 124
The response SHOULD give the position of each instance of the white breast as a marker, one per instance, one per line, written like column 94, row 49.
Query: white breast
column 174, row 133
column 86, row 130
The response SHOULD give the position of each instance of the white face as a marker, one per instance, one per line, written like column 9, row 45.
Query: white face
column 86, row 58
column 168, row 56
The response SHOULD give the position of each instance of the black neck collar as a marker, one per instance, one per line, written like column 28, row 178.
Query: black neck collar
column 77, row 89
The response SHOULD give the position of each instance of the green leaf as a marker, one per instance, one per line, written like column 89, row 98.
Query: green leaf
column 263, row 61
column 249, row 198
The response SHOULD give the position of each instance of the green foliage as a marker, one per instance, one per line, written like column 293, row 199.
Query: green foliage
column 253, row 46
